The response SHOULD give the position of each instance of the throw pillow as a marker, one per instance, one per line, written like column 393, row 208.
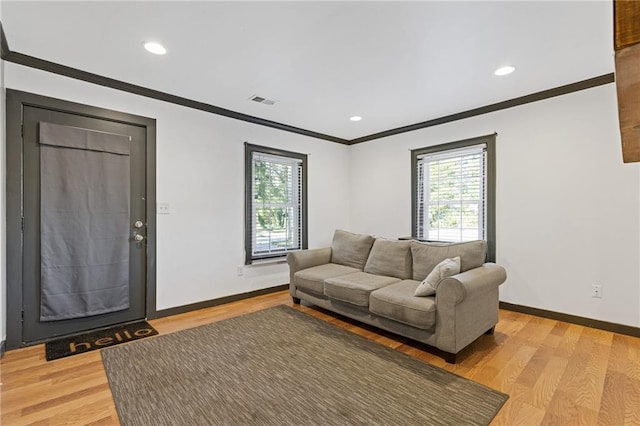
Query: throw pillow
column 444, row 269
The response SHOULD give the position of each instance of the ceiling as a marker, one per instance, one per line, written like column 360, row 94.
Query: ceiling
column 393, row 63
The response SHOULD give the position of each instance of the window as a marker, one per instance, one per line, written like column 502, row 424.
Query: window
column 276, row 202
column 453, row 192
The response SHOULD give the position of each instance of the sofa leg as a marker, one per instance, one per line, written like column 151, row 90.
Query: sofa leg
column 491, row 331
column 296, row 300
column 450, row 358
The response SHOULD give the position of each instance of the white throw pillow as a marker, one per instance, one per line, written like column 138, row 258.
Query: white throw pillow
column 444, row 269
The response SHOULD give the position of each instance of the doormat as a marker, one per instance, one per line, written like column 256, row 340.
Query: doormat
column 98, row 339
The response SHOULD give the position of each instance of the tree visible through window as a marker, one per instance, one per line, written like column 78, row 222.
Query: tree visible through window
column 275, row 202
column 453, row 192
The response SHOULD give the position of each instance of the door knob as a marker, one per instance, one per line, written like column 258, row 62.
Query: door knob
column 138, row 238
column 138, row 224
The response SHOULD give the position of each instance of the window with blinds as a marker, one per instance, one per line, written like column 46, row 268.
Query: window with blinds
column 453, row 192
column 275, row 203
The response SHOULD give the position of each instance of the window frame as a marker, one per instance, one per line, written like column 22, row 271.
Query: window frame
column 249, row 150
column 490, row 167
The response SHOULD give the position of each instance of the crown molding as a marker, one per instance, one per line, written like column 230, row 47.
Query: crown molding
column 533, row 97
column 4, row 46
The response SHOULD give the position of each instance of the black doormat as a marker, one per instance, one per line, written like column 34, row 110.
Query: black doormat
column 98, row 339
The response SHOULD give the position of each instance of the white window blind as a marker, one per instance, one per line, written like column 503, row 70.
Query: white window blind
column 276, row 208
column 451, row 194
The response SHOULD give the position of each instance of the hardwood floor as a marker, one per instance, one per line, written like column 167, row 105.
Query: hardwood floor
column 554, row 372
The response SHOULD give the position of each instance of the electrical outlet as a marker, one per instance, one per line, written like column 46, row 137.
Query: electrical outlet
column 240, row 271
column 163, row 208
column 596, row 291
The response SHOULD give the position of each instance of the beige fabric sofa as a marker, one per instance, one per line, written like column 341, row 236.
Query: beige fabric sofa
column 373, row 280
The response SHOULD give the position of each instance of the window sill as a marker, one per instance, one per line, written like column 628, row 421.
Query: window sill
column 270, row 261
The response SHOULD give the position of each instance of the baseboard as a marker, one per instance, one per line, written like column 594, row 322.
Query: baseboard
column 574, row 319
column 2, row 348
column 215, row 302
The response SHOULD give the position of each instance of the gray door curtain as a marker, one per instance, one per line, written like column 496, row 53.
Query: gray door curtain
column 84, row 220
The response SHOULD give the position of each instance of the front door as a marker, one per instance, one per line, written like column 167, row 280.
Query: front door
column 84, row 226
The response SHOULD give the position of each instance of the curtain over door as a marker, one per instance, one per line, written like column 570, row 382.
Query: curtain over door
column 84, row 218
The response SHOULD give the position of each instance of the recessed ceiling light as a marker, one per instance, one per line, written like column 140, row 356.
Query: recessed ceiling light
column 504, row 70
column 355, row 118
column 155, row 48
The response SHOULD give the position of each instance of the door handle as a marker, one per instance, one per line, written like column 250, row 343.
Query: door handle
column 138, row 238
column 138, row 224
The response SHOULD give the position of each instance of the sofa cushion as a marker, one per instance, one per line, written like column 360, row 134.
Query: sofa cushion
column 391, row 258
column 427, row 255
column 355, row 288
column 312, row 279
column 444, row 269
column 350, row 249
column 398, row 303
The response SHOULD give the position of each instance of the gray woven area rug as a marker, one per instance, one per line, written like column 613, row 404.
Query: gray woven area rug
column 283, row 367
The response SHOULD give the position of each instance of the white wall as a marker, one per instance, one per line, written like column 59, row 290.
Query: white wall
column 200, row 172
column 568, row 209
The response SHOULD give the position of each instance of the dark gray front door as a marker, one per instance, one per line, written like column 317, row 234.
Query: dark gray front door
column 39, row 323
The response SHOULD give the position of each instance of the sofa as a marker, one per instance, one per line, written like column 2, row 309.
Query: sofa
column 374, row 280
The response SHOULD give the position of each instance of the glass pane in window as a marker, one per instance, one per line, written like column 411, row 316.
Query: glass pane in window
column 444, row 222
column 470, row 221
column 277, row 209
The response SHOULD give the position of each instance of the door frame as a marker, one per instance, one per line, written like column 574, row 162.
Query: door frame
column 15, row 102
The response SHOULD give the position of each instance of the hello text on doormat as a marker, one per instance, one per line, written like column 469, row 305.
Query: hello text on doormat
column 98, row 339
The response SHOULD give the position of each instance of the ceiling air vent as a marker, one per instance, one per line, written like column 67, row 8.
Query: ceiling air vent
column 261, row 100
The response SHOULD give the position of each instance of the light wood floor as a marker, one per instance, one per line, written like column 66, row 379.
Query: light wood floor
column 555, row 373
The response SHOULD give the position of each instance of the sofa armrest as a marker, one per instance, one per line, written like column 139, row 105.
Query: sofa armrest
column 455, row 289
column 467, row 306
column 303, row 259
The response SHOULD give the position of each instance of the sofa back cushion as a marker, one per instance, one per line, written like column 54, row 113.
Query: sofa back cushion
column 427, row 255
column 350, row 249
column 391, row 258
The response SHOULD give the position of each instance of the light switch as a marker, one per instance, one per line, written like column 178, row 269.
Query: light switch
column 164, row 208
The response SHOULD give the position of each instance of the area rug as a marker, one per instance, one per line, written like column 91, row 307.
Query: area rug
column 283, row 367
column 97, row 339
